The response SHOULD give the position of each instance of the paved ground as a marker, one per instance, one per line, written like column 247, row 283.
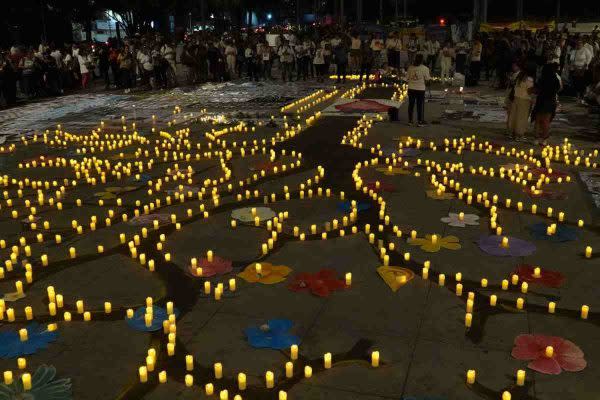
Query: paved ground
column 309, row 235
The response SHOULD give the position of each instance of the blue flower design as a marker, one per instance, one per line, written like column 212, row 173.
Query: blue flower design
column 138, row 321
column 563, row 233
column 11, row 345
column 43, row 387
column 273, row 335
column 346, row 206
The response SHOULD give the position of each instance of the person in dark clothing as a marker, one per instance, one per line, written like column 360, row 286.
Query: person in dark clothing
column 213, row 60
column 544, row 110
column 8, row 81
column 104, row 65
column 340, row 55
column 366, row 61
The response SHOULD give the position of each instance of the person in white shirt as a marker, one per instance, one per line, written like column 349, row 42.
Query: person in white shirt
column 231, row 57
column 475, row 66
column 355, row 46
column 84, row 61
column 580, row 59
column 418, row 77
column 319, row 63
column 377, row 46
column 393, row 45
column 447, row 56
column 519, row 103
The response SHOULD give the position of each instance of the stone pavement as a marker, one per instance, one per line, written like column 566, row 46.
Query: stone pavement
column 391, row 249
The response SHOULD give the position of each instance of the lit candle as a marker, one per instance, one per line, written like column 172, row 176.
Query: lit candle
column 224, row 395
column 23, row 335
column 258, row 268
column 209, row 389
column 584, row 311
column 218, row 370
column 269, row 379
column 348, row 278
column 150, row 363
column 162, row 376
column 143, row 372
column 8, row 377
column 189, row 380
column 72, row 252
column 375, row 359
column 232, row 285
column 493, row 300
column 520, row 303
column 520, row 377
column 504, row 242
column 207, row 287
column 484, row 282
column 79, row 304
column 471, row 374
column 537, row 272
column 67, row 316
column 506, row 395
column 468, row 319
column 551, row 307
column 588, row 252
column 242, row 381
column 294, row 352
column 26, row 379
column 459, row 289
column 107, row 307
column 21, row 363
column 307, row 371
column 282, row 395
column 441, row 279
column 28, row 313
column 549, row 352
column 327, row 360
column 425, row 272
column 524, row 287
column 504, row 284
column 209, row 256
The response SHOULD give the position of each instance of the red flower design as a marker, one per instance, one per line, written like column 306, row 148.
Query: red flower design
column 547, row 277
column 366, row 106
column 383, row 187
column 320, row 284
column 546, row 194
column 567, row 356
column 543, row 170
column 218, row 266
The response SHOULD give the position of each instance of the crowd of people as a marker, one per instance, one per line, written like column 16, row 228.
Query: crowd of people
column 518, row 61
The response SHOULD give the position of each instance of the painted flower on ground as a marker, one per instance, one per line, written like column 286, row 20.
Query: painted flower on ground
column 547, row 277
column 432, row 245
column 408, row 152
column 148, row 219
column 433, row 194
column 380, row 186
column 218, row 266
column 245, row 214
column 546, row 194
column 516, row 247
column 454, row 219
column 43, row 387
column 320, row 284
column 346, row 206
column 269, row 273
column 555, row 174
column 395, row 277
column 272, row 335
column 363, row 106
column 566, row 355
column 112, row 192
column 138, row 321
column 563, row 233
column 266, row 166
column 14, row 296
column 394, row 171
column 38, row 338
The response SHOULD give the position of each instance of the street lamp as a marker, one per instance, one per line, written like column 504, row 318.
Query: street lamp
column 269, row 16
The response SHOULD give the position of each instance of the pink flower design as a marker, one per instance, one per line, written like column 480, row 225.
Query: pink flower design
column 567, row 356
column 365, row 106
column 218, row 266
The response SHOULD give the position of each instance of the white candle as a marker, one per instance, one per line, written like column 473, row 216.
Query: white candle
column 294, row 352
column 327, row 360
column 242, row 381
column 471, row 374
column 520, row 377
column 375, row 359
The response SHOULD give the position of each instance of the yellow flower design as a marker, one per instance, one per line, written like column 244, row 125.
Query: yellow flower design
column 393, row 171
column 14, row 296
column 433, row 194
column 434, row 243
column 269, row 273
column 111, row 192
column 395, row 277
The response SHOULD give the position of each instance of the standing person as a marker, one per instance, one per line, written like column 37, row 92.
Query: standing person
column 580, row 60
column 412, row 47
column 377, row 46
column 447, row 55
column 231, row 56
column 462, row 49
column 475, row 66
column 366, row 61
column 113, row 58
column 250, row 60
column 355, row 45
column 546, row 88
column 519, row 103
column 340, row 55
column 125, row 61
column 27, row 68
column 418, row 77
column 286, row 58
column 319, row 63
column 84, row 67
column 8, row 81
column 301, row 61
column 393, row 45
column 104, row 65
column 267, row 60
